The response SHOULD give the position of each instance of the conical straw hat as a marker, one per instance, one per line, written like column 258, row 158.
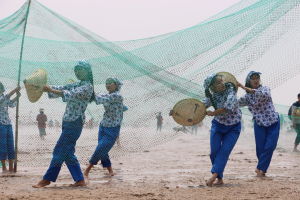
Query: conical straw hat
column 189, row 112
column 34, row 84
column 228, row 78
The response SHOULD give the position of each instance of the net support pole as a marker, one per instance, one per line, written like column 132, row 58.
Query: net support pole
column 19, row 79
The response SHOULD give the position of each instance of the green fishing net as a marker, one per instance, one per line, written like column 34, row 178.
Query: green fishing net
column 156, row 72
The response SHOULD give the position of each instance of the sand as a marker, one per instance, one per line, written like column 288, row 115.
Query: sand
column 174, row 170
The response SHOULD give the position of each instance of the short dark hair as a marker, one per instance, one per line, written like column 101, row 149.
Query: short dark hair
column 299, row 95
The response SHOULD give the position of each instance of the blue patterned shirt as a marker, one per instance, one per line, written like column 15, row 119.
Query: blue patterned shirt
column 226, row 99
column 261, row 106
column 114, row 108
column 77, row 95
column 5, row 102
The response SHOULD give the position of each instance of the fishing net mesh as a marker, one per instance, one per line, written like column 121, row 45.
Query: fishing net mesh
column 157, row 72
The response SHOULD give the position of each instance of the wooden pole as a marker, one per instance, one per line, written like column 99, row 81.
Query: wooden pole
column 19, row 77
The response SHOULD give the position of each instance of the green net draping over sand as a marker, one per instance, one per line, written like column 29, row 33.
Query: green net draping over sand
column 156, row 72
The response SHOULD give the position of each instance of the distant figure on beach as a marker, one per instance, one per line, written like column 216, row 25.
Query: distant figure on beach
column 181, row 129
column 195, row 128
column 226, row 125
column 51, row 123
column 294, row 115
column 266, row 119
column 7, row 150
column 41, row 118
column 159, row 121
column 57, row 124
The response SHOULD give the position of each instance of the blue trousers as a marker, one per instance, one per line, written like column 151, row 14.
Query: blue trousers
column 107, row 137
column 266, row 141
column 7, row 150
column 222, row 140
column 64, row 152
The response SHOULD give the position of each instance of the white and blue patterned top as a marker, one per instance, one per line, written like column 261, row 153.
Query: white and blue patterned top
column 226, row 99
column 77, row 95
column 5, row 102
column 114, row 108
column 261, row 106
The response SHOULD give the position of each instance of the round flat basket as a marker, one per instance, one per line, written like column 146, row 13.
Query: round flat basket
column 34, row 84
column 228, row 78
column 189, row 112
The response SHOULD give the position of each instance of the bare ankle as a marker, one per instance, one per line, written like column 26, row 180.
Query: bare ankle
column 212, row 179
column 260, row 173
column 110, row 171
column 88, row 169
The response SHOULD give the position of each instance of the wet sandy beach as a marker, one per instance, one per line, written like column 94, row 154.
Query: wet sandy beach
column 174, row 170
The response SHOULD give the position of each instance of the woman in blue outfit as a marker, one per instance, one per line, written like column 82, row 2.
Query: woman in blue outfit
column 7, row 151
column 77, row 96
column 226, row 125
column 110, row 125
column 266, row 119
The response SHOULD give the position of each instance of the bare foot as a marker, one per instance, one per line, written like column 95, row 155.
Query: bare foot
column 4, row 168
column 78, row 184
column 260, row 173
column 41, row 184
column 210, row 181
column 219, row 182
column 110, row 171
column 295, row 150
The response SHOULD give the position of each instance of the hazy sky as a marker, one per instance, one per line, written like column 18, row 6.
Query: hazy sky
column 129, row 19
column 133, row 19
